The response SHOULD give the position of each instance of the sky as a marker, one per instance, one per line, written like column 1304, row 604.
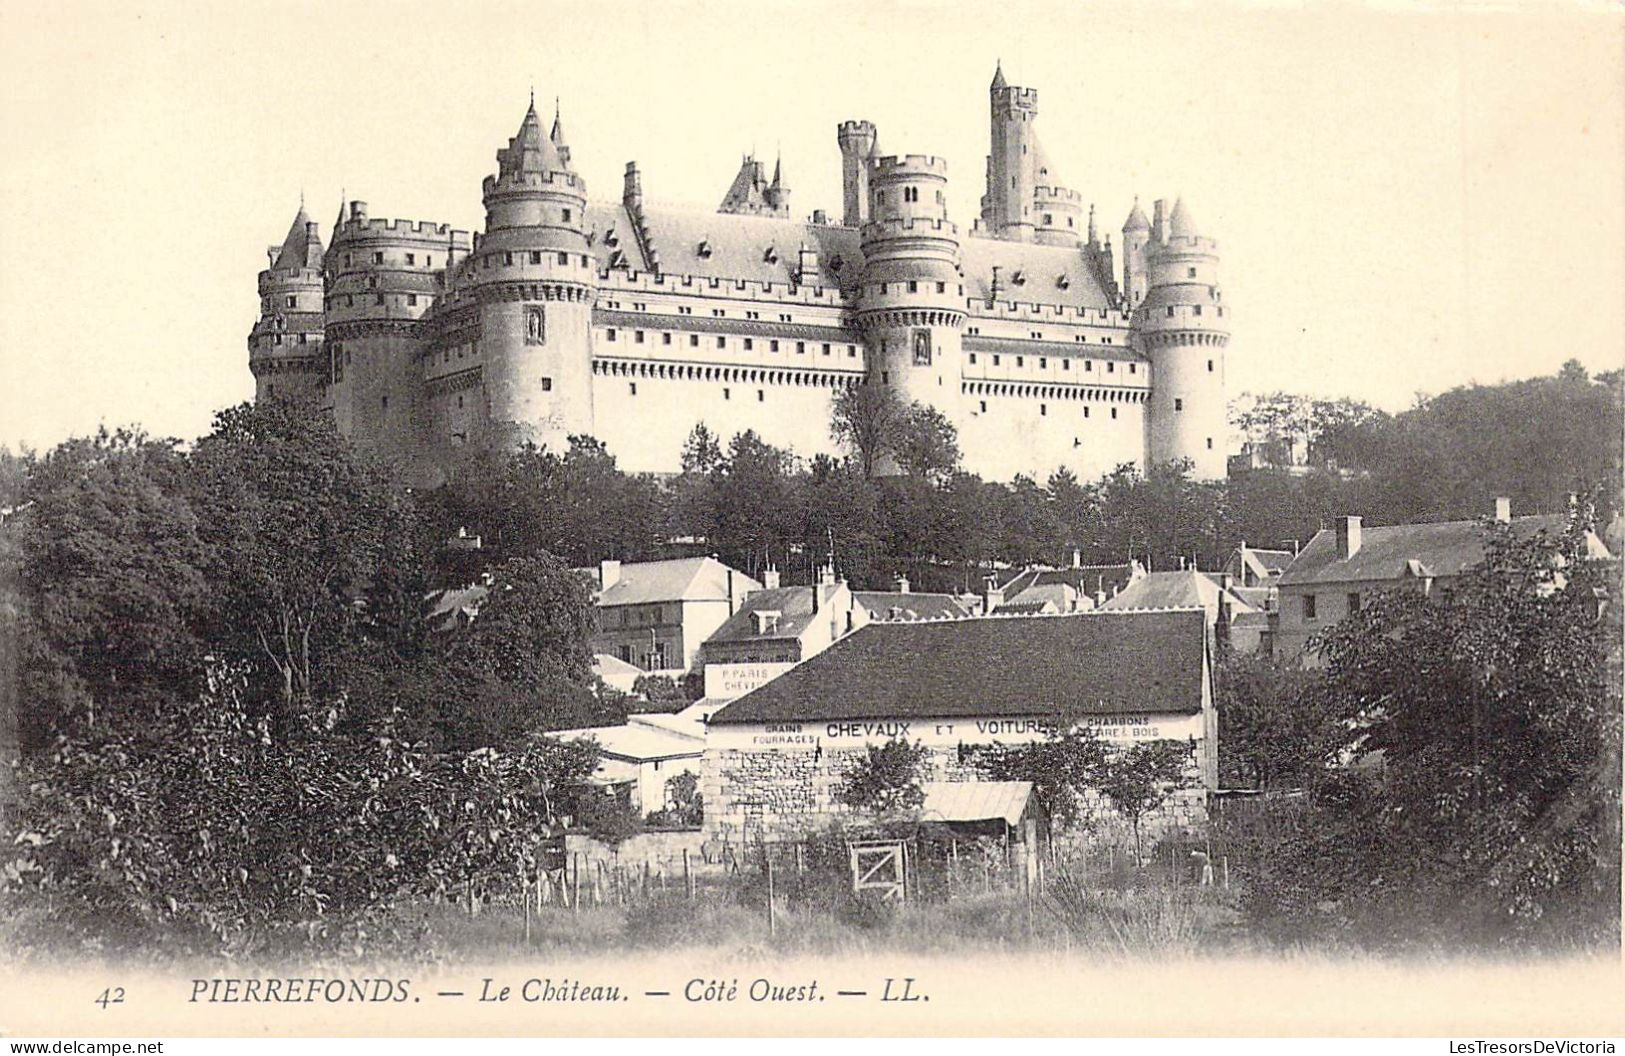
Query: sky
column 1405, row 199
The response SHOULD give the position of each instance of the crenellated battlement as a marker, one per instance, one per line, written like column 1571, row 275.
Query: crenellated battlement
column 1188, row 244
column 1022, row 98
column 556, row 180
column 902, row 226
column 896, row 167
column 855, row 128
column 1057, row 194
column 615, row 281
column 414, row 230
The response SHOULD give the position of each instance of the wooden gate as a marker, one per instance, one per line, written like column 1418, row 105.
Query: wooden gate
column 880, row 865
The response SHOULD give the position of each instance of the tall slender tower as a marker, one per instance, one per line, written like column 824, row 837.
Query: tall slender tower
column 911, row 305
column 1181, row 327
column 535, row 278
column 857, row 140
column 285, row 346
column 1136, row 233
column 1007, row 208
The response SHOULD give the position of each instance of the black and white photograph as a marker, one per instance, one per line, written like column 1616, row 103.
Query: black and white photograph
column 910, row 519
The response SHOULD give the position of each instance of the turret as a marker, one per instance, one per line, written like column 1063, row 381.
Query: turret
column 857, row 140
column 911, row 304
column 285, row 350
column 534, row 276
column 384, row 277
column 1007, row 208
column 1136, row 233
column 751, row 192
column 1182, row 328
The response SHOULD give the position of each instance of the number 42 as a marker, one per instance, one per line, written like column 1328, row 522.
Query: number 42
column 113, row 995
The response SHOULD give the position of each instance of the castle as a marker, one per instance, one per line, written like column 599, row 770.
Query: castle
column 632, row 323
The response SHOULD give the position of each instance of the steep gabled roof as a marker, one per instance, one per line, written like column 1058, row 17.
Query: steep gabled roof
column 679, row 579
column 910, row 606
column 1445, row 548
column 1101, row 663
column 793, row 604
column 1175, row 590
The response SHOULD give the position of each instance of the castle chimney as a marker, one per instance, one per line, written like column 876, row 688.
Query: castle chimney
column 1348, row 537
column 992, row 596
column 770, row 577
column 1503, row 509
column 1159, row 227
column 609, row 574
column 820, row 217
column 632, row 192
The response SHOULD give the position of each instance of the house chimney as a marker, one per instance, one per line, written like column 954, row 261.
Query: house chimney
column 902, row 584
column 1077, row 558
column 1348, row 537
column 770, row 577
column 826, row 576
column 609, row 574
column 1503, row 509
column 992, row 596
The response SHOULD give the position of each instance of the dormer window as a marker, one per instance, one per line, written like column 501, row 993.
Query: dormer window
column 704, row 249
column 766, row 620
column 1063, row 281
column 1019, row 278
column 772, row 255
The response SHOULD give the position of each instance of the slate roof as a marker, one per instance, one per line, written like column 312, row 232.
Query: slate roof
column 1445, row 548
column 910, row 606
column 301, row 248
column 736, row 246
column 793, row 604
column 1174, row 590
column 679, row 579
column 1100, row 663
column 975, row 800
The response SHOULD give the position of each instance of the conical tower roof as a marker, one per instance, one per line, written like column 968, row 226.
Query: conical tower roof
column 998, row 77
column 1136, row 219
column 529, row 151
column 557, row 135
column 303, row 247
column 1180, row 222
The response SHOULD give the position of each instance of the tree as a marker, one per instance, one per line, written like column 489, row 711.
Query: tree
column 1138, row 779
column 684, row 807
column 1275, row 730
column 886, row 778
column 925, row 443
column 864, row 420
column 297, row 526
column 1495, row 709
column 111, row 578
column 1062, row 768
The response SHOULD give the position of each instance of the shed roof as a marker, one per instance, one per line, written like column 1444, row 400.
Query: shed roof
column 975, row 800
column 1098, row 663
column 640, row 742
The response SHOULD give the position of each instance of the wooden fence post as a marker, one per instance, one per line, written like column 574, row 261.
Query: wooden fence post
column 772, row 925
column 688, row 877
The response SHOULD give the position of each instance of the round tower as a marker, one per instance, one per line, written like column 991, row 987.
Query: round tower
column 911, row 305
column 383, row 277
column 1181, row 327
column 534, row 277
column 1136, row 233
column 1011, row 164
column 857, row 140
column 1057, row 216
column 285, row 350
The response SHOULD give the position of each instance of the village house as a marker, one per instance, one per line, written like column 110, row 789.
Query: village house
column 776, row 756
column 655, row 614
column 1039, row 589
column 1343, row 566
column 1233, row 620
column 637, row 759
column 776, row 628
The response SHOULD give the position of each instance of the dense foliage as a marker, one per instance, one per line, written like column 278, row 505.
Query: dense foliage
column 1494, row 711
column 886, row 779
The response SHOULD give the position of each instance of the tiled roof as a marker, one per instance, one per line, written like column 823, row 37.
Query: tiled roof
column 1104, row 663
column 1174, row 590
column 1272, row 560
column 1446, row 548
column 975, row 800
column 1029, row 605
column 679, row 579
column 910, row 606
column 793, row 604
